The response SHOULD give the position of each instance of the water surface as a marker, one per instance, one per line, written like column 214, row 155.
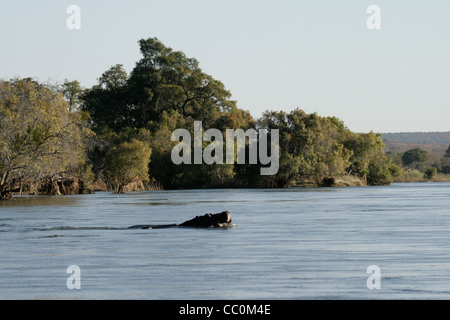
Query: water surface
column 288, row 244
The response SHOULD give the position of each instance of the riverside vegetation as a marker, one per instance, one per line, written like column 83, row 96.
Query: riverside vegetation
column 63, row 139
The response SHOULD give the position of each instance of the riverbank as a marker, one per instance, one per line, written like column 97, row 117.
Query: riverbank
column 412, row 176
column 417, row 176
column 341, row 181
column 353, row 181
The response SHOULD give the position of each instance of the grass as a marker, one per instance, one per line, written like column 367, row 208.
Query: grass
column 418, row 176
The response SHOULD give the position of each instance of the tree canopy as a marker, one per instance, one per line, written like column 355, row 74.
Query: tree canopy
column 167, row 90
column 415, row 157
column 162, row 80
column 317, row 147
column 131, row 116
column 127, row 163
column 447, row 152
column 39, row 137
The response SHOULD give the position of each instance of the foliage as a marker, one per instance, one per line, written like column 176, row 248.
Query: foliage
column 166, row 90
column 163, row 80
column 414, row 158
column 430, row 173
column 72, row 91
column 447, row 152
column 322, row 147
column 107, row 102
column 444, row 166
column 127, row 163
column 44, row 135
column 39, row 138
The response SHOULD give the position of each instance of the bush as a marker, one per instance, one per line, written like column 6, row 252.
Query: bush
column 430, row 173
column 127, row 163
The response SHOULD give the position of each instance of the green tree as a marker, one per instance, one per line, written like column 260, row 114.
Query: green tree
column 365, row 147
column 414, row 158
column 162, row 80
column 108, row 102
column 447, row 153
column 72, row 91
column 162, row 168
column 165, row 79
column 165, row 91
column 127, row 163
column 114, row 78
column 322, row 148
column 39, row 138
column 430, row 173
column 311, row 146
column 382, row 170
column 444, row 166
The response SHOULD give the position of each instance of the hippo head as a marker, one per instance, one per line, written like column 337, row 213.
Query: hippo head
column 209, row 220
column 223, row 217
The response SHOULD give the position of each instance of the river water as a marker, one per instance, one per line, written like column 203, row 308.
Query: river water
column 287, row 244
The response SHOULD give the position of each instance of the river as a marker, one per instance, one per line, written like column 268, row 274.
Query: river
column 297, row 243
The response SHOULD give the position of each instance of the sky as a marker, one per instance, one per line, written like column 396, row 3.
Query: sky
column 318, row 56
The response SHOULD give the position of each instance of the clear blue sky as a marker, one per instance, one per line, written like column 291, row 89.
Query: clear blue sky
column 272, row 55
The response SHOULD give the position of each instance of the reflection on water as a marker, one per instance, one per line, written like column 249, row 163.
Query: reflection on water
column 38, row 201
column 289, row 244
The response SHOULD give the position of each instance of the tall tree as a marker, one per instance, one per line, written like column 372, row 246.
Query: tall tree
column 162, row 80
column 165, row 79
column 415, row 157
column 127, row 163
column 39, row 137
column 114, row 78
column 447, row 153
column 72, row 91
column 108, row 102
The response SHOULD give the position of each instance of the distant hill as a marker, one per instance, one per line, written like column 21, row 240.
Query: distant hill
column 433, row 142
column 419, row 137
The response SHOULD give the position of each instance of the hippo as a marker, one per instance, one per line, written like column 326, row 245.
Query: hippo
column 206, row 221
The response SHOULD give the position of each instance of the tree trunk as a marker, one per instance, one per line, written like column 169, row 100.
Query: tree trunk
column 55, row 188
column 5, row 195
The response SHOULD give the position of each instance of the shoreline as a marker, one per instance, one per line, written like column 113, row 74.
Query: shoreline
column 339, row 182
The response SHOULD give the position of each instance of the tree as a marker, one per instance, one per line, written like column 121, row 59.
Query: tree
column 382, row 170
column 166, row 90
column 162, row 80
column 114, row 78
column 414, row 158
column 364, row 146
column 444, row 166
column 72, row 91
column 39, row 138
column 127, row 163
column 430, row 173
column 163, row 170
column 447, row 153
column 311, row 146
column 322, row 148
column 165, row 79
column 108, row 102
